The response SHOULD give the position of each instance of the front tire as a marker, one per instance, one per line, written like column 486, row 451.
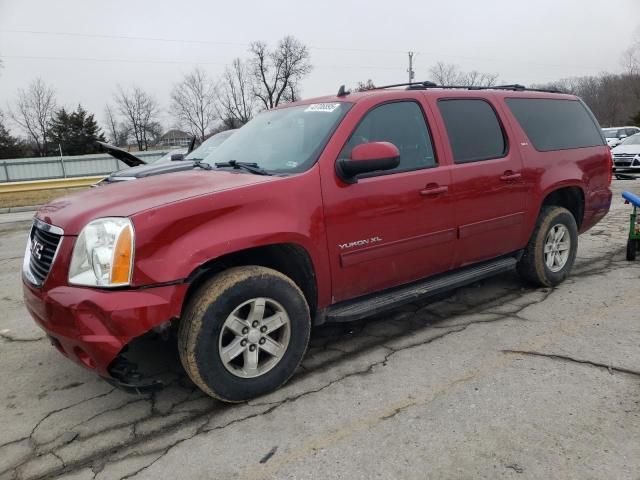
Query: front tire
column 551, row 251
column 244, row 333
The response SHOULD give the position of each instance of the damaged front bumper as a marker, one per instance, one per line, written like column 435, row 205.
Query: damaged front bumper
column 93, row 327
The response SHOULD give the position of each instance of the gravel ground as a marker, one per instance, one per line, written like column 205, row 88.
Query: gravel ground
column 497, row 380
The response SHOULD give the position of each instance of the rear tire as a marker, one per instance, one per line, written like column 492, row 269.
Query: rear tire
column 244, row 333
column 551, row 251
column 632, row 247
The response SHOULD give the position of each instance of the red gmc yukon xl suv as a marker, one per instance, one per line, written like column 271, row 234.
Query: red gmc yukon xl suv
column 324, row 210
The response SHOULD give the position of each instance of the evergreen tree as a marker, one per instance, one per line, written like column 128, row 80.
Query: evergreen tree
column 76, row 132
column 10, row 147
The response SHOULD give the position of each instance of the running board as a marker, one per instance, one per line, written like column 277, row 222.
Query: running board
column 392, row 298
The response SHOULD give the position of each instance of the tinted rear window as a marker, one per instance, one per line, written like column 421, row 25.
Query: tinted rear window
column 555, row 124
column 473, row 129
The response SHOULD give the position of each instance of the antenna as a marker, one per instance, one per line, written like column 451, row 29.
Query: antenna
column 342, row 91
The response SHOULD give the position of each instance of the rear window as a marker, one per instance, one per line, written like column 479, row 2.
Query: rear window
column 554, row 124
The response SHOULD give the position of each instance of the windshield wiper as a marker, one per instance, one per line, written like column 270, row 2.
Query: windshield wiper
column 197, row 162
column 248, row 166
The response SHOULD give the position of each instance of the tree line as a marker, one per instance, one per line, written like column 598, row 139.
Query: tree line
column 268, row 77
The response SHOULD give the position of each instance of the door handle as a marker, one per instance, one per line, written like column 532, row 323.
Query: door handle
column 510, row 176
column 433, row 189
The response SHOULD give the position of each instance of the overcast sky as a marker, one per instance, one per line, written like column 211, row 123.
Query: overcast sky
column 523, row 41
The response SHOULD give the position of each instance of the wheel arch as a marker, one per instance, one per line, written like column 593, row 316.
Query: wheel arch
column 571, row 197
column 290, row 259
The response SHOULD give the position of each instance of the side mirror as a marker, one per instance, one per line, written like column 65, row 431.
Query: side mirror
column 177, row 157
column 368, row 157
column 622, row 136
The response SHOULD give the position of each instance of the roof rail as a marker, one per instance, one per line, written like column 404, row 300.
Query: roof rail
column 427, row 84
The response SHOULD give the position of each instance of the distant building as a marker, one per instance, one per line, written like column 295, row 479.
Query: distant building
column 175, row 138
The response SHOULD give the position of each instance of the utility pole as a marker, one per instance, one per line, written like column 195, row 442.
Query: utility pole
column 410, row 69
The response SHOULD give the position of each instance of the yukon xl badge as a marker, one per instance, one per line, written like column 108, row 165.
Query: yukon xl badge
column 359, row 243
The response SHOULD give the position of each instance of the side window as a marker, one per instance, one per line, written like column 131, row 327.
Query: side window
column 473, row 129
column 631, row 131
column 401, row 123
column 556, row 124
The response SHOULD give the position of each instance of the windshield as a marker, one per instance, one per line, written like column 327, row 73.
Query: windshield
column 632, row 140
column 209, row 145
column 611, row 132
column 286, row 140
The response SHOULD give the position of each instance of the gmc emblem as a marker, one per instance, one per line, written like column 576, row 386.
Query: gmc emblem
column 36, row 249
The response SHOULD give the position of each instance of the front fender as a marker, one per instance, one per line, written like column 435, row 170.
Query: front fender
column 174, row 240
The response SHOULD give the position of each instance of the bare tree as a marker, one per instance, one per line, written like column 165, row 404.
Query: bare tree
column 236, row 102
column 478, row 79
column 140, row 111
column 34, row 109
column 445, row 74
column 631, row 56
column 114, row 130
column 277, row 73
column 450, row 74
column 364, row 86
column 193, row 103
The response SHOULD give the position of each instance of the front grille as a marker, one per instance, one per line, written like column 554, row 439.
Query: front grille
column 43, row 245
column 621, row 163
column 624, row 155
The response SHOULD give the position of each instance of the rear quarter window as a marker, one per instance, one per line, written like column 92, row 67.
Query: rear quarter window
column 555, row 124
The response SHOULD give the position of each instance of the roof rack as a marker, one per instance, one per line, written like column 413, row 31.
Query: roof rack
column 427, row 84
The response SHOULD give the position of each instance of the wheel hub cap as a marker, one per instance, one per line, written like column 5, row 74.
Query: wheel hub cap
column 254, row 337
column 557, row 247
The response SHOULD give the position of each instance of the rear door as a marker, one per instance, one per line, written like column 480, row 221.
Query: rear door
column 487, row 181
column 390, row 227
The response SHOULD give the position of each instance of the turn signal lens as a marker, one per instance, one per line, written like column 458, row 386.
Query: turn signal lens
column 121, row 269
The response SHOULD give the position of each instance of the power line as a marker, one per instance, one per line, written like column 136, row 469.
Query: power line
column 180, row 62
column 180, row 40
column 216, row 42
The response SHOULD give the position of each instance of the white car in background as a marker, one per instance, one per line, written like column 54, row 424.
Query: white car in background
column 616, row 135
column 626, row 156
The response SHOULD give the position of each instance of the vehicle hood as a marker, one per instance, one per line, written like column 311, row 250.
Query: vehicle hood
column 626, row 149
column 123, row 199
column 122, row 155
column 144, row 171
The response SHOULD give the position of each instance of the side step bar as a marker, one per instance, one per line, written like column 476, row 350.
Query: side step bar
column 378, row 302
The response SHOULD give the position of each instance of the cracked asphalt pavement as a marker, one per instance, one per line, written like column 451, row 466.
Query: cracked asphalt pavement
column 496, row 380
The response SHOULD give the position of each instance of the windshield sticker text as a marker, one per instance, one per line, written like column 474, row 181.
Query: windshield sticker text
column 322, row 107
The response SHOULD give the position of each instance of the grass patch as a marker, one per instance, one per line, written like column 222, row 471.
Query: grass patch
column 37, row 197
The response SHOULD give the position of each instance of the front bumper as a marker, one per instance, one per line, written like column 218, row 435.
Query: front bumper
column 92, row 326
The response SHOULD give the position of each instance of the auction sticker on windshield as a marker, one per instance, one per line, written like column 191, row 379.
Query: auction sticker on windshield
column 322, row 107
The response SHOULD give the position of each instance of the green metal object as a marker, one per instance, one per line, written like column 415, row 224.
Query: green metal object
column 633, row 242
column 634, row 229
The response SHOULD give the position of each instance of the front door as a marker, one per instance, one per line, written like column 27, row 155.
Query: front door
column 390, row 227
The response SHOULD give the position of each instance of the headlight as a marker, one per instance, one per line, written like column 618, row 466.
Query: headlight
column 103, row 254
